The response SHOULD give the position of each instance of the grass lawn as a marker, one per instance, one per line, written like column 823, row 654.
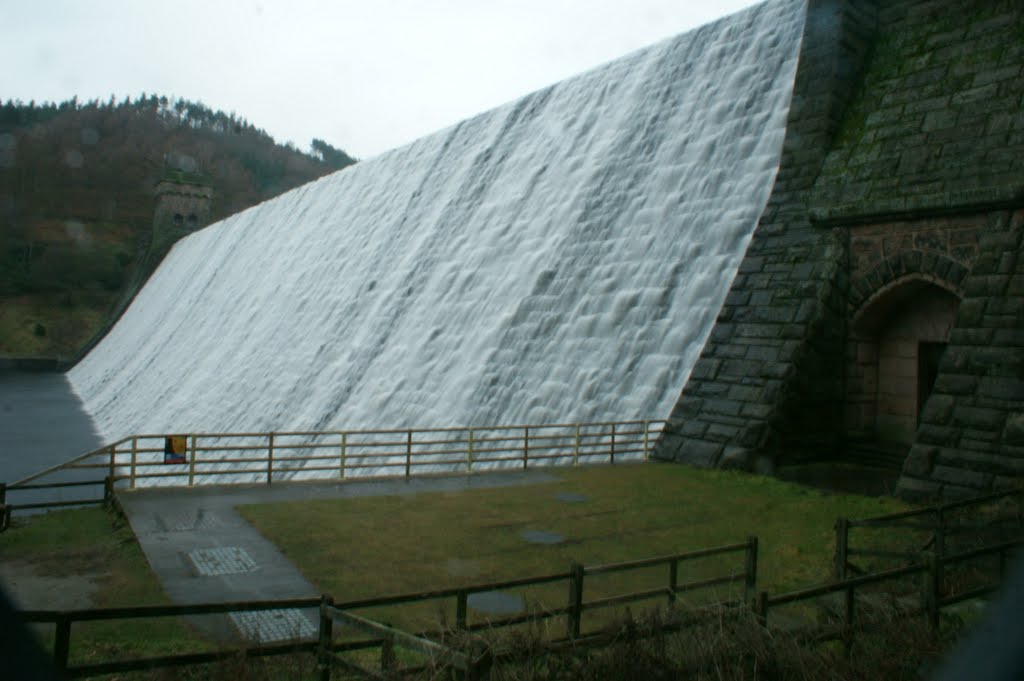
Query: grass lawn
column 96, row 547
column 372, row 546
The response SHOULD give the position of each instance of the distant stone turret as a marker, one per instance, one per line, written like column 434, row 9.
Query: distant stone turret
column 183, row 202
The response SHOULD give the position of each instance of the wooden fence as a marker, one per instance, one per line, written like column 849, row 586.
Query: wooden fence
column 932, row 596
column 933, row 526
column 385, row 638
column 219, row 458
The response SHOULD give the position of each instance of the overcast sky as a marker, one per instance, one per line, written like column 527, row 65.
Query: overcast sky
column 365, row 76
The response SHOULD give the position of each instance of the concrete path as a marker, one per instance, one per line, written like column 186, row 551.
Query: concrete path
column 203, row 551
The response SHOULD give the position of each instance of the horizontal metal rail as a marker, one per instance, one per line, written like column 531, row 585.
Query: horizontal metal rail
column 270, row 457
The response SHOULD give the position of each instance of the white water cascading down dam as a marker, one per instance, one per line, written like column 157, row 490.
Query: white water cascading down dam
column 559, row 259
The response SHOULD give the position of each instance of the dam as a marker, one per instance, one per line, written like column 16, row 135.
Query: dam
column 561, row 258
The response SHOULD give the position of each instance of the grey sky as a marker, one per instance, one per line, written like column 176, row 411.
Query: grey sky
column 365, row 76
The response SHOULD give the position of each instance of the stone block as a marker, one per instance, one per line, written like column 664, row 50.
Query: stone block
column 728, row 351
column 757, row 331
column 978, row 417
column 970, row 312
column 689, row 429
column 778, row 314
column 956, row 384
column 1011, row 306
column 1002, row 388
column 744, row 393
column 938, row 120
column 938, row 409
column 943, row 436
column 688, row 406
column 706, row 368
column 952, row 491
column 986, row 285
column 699, row 453
column 757, row 411
column 721, row 406
column 968, row 336
column 986, row 360
column 917, row 489
column 753, row 435
column 718, row 432
column 961, row 477
column 708, row 388
column 763, row 353
column 920, row 461
column 1013, row 432
column 1009, row 337
column 972, row 438
column 736, row 297
column 736, row 459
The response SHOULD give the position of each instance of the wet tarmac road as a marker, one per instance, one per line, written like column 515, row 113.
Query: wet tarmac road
column 42, row 424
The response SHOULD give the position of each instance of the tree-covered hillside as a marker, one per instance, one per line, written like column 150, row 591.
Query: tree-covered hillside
column 77, row 187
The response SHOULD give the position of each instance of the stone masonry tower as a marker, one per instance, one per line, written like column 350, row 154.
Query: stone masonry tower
column 183, row 202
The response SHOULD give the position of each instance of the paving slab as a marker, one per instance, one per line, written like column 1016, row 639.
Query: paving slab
column 203, row 551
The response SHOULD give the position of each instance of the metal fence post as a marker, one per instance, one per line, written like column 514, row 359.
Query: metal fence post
column 612, row 451
column 842, row 539
column 408, row 454
column 270, row 460
column 325, row 638
column 576, row 448
column 341, row 465
column 647, row 430
column 192, row 463
column 526, row 447
column 575, row 600
column 135, row 454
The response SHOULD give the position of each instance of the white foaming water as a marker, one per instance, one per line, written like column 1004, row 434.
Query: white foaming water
column 561, row 258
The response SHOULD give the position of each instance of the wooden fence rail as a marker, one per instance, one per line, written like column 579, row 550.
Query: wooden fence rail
column 933, row 519
column 383, row 635
column 930, row 568
column 932, row 595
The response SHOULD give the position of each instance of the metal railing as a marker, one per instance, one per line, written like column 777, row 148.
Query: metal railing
column 247, row 458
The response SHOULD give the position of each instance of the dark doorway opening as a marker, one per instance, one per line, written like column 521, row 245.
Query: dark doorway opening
column 929, row 355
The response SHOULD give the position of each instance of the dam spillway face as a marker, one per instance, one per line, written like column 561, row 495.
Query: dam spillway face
column 560, row 258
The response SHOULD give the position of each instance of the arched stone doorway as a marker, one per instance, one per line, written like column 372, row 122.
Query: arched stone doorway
column 896, row 341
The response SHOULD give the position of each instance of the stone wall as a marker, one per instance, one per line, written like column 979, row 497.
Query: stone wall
column 900, row 172
column 971, row 436
column 782, row 321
